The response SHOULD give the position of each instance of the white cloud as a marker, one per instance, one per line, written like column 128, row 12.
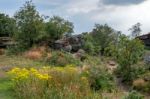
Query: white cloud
column 84, row 13
column 123, row 17
column 82, row 6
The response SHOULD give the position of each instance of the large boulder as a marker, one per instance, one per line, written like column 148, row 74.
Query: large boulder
column 67, row 48
column 59, row 44
column 70, row 44
column 6, row 41
column 76, row 41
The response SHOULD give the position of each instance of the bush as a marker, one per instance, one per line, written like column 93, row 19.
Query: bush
column 127, row 53
column 16, row 49
column 134, row 95
column 51, row 83
column 100, row 79
column 135, row 72
column 59, row 58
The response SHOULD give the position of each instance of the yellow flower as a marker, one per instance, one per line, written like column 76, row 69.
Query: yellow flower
column 33, row 70
column 71, row 69
column 14, row 71
column 43, row 76
column 84, row 79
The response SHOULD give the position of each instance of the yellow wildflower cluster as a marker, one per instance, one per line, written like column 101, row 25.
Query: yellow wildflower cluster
column 20, row 74
column 44, row 73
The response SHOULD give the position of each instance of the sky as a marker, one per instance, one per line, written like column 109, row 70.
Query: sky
column 119, row 14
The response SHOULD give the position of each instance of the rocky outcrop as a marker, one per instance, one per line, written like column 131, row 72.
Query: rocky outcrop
column 69, row 44
column 6, row 41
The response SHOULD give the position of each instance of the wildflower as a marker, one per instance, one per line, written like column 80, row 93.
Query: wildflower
column 84, row 79
column 43, row 76
column 14, row 71
column 34, row 71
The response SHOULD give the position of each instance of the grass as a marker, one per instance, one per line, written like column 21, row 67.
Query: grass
column 12, row 61
column 6, row 63
column 6, row 89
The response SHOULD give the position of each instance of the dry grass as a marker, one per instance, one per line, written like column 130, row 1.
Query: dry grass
column 17, row 61
column 2, row 51
column 114, row 95
column 35, row 53
column 139, row 83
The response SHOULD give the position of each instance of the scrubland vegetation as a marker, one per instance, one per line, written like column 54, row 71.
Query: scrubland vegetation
column 108, row 64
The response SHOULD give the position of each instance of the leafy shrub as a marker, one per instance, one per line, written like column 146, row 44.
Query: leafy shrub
column 127, row 53
column 135, row 72
column 59, row 58
column 134, row 95
column 51, row 83
column 89, row 48
column 89, row 45
column 16, row 49
column 100, row 79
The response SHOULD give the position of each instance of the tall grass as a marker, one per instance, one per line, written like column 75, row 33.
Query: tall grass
column 51, row 83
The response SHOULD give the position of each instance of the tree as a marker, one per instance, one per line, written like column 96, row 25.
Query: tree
column 103, row 35
column 89, row 44
column 127, row 53
column 58, row 27
column 135, row 30
column 29, row 23
column 7, row 25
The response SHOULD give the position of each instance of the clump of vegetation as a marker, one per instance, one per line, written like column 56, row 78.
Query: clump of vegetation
column 134, row 95
column 100, row 79
column 97, row 41
column 57, row 27
column 7, row 26
column 49, row 83
column 127, row 53
column 58, row 80
column 60, row 58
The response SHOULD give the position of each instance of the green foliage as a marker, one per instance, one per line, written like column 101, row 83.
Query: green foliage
column 29, row 24
column 127, row 53
column 134, row 95
column 58, row 27
column 14, row 50
column 103, row 35
column 101, row 80
column 89, row 45
column 132, row 74
column 7, row 25
column 60, row 58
